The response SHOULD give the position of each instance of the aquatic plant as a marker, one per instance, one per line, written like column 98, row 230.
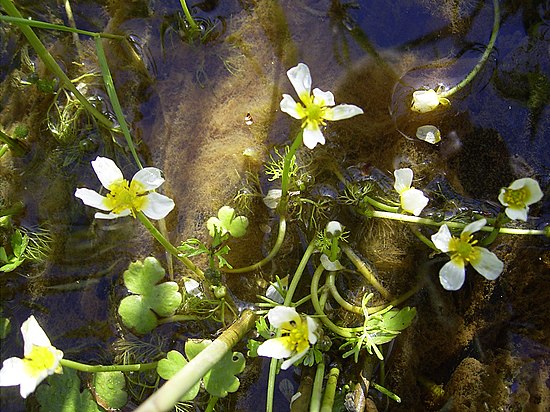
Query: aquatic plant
column 125, row 199
column 303, row 319
column 519, row 196
column 463, row 251
column 40, row 360
column 315, row 108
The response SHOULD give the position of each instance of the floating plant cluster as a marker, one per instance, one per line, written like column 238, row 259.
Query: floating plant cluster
column 291, row 327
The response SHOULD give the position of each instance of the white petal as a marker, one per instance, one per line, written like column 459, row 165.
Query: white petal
column 501, row 197
column 273, row 197
column 157, row 206
column 403, row 179
column 13, row 372
column 533, row 188
column 193, row 288
column 452, row 275
column 300, row 78
column 33, row 335
column 424, row 101
column 289, row 106
column 488, row 264
column 291, row 361
column 413, row 201
column 517, row 214
column 280, row 315
column 322, row 98
column 29, row 384
column 312, row 327
column 342, row 111
column 474, row 226
column 107, row 171
column 92, row 198
column 274, row 348
column 312, row 136
column 111, row 215
column 149, row 177
column 442, row 238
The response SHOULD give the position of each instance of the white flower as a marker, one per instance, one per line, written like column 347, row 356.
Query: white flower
column 125, row 199
column 412, row 200
column 41, row 360
column 313, row 109
column 298, row 332
column 427, row 100
column 518, row 196
column 463, row 251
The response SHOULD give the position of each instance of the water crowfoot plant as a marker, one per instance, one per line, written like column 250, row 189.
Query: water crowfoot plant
column 298, row 333
column 125, row 198
column 412, row 200
column 40, row 360
column 463, row 251
column 424, row 101
column 315, row 108
column 519, row 196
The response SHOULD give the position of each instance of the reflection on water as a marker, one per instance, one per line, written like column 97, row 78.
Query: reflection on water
column 189, row 106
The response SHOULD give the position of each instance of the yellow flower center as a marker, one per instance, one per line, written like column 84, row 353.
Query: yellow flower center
column 123, row 196
column 40, row 359
column 295, row 336
column 463, row 248
column 516, row 198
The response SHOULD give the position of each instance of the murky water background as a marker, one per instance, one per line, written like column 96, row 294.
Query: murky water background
column 186, row 105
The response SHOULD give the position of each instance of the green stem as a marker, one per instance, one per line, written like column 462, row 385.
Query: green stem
column 288, row 302
column 286, row 170
column 298, row 274
column 111, row 91
column 3, row 150
column 380, row 205
column 211, row 404
column 107, row 368
column 338, row 298
column 365, row 271
column 171, row 392
column 424, row 239
column 272, row 253
column 168, row 246
column 15, row 145
column 188, row 16
column 178, row 318
column 59, row 27
column 344, row 332
column 484, row 57
column 456, row 225
column 317, row 391
column 371, row 309
column 50, row 62
column 330, row 390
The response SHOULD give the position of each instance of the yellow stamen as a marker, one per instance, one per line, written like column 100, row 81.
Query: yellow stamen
column 40, row 359
column 124, row 196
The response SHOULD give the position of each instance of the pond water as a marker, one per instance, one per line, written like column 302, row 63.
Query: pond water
column 195, row 109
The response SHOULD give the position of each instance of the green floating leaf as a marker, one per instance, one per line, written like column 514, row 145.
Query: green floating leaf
column 62, row 394
column 109, row 389
column 171, row 365
column 221, row 379
column 139, row 311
